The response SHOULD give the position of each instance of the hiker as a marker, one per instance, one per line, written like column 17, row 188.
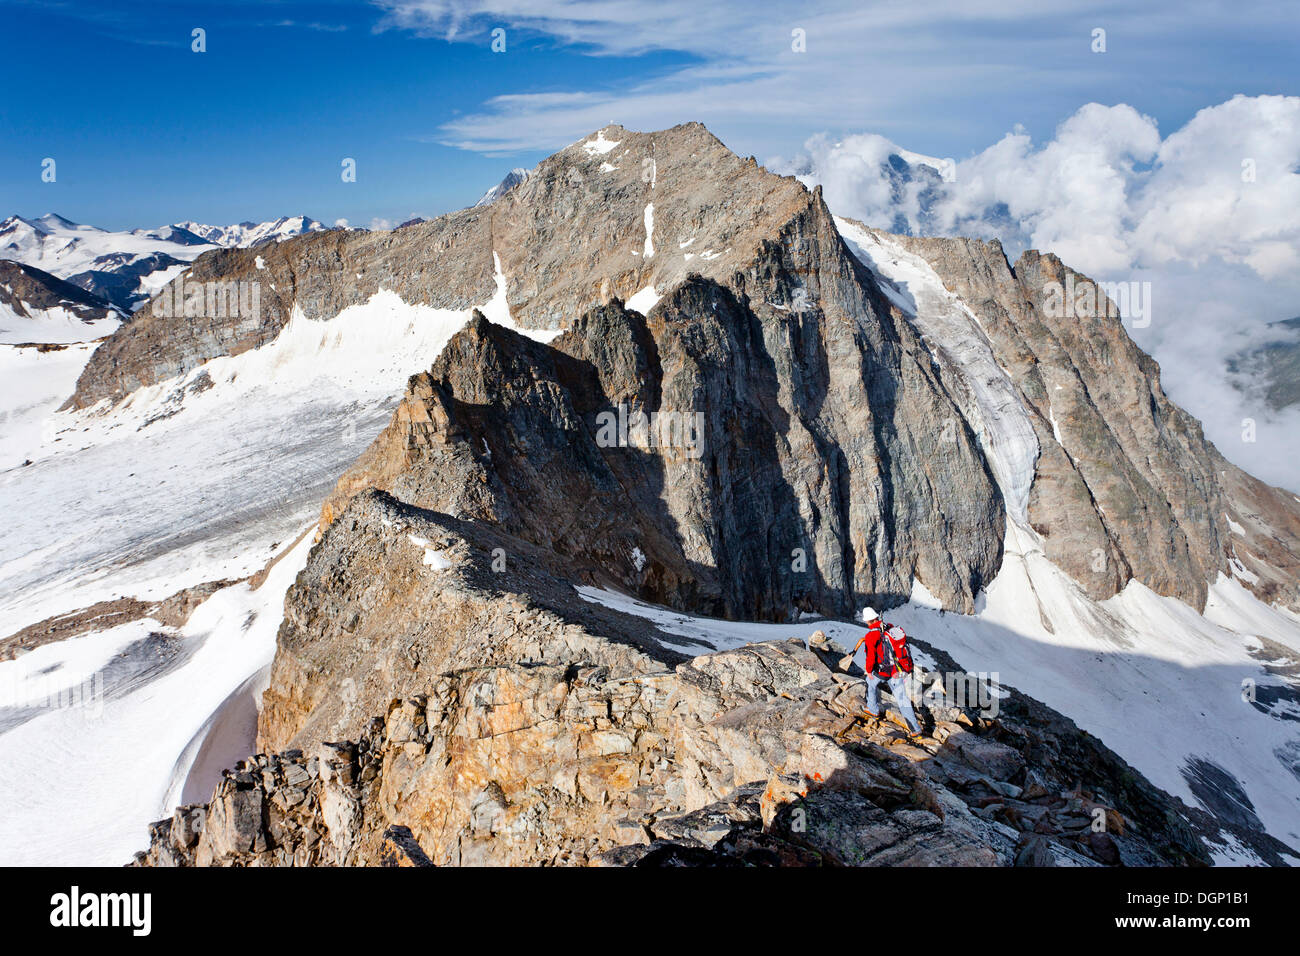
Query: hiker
column 888, row 659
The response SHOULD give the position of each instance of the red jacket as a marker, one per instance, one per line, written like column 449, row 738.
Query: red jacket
column 878, row 663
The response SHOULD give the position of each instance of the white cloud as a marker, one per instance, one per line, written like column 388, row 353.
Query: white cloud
column 943, row 71
column 1072, row 195
column 1106, row 193
column 1227, row 185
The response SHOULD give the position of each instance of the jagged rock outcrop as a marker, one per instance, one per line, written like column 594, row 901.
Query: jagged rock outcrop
column 794, row 466
column 426, row 708
column 1126, row 484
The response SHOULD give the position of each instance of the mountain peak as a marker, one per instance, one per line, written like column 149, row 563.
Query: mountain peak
column 514, row 178
column 52, row 220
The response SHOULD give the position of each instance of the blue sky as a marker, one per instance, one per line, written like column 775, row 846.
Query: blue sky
column 145, row 131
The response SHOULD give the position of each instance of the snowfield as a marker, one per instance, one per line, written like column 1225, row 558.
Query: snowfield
column 196, row 478
column 1156, row 682
column 55, row 325
column 135, row 750
column 33, row 383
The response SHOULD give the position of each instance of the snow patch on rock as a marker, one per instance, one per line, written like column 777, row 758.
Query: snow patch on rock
column 599, row 145
column 644, row 300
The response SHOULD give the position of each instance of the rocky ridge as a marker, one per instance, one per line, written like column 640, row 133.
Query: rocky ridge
column 487, row 433
column 480, row 716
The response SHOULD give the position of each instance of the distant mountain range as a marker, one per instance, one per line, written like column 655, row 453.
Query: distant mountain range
column 123, row 269
column 248, row 233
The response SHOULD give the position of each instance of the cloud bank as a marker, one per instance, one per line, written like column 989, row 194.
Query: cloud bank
column 1106, row 192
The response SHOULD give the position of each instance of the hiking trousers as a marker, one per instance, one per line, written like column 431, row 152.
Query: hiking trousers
column 897, row 687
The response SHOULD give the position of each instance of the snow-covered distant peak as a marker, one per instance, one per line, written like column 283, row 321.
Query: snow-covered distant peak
column 513, row 178
column 19, row 236
column 173, row 234
column 252, row 233
column 52, row 222
column 918, row 159
column 122, row 268
column 17, row 232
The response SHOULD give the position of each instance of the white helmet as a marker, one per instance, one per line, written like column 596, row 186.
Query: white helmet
column 869, row 615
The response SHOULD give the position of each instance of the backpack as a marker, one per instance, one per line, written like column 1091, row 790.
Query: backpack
column 888, row 663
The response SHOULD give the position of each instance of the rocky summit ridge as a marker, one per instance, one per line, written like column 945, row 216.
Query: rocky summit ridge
column 443, row 712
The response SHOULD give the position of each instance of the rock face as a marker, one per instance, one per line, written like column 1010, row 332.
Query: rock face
column 1126, row 485
column 848, row 485
column 24, row 289
column 809, row 411
column 514, row 723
